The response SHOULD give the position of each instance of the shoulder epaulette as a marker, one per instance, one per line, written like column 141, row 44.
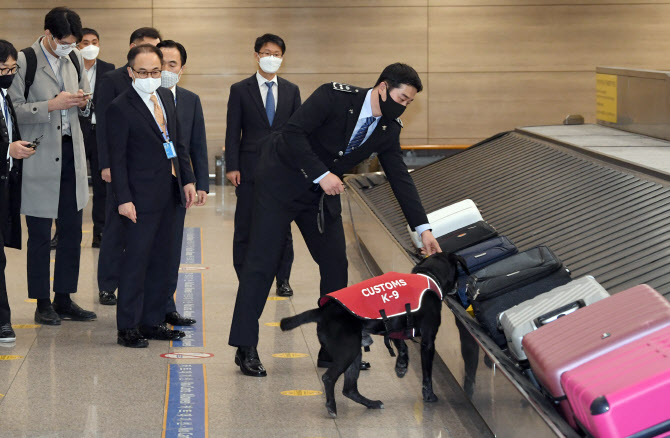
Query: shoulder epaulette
column 399, row 122
column 345, row 87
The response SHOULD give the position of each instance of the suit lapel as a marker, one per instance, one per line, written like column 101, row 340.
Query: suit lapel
column 255, row 92
column 354, row 112
column 43, row 62
column 282, row 100
column 137, row 102
column 170, row 111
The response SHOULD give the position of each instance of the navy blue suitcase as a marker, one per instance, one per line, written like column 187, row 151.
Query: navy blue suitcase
column 476, row 257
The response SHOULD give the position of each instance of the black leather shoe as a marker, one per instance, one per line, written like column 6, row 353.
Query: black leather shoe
column 54, row 241
column 131, row 338
column 47, row 316
column 107, row 298
column 7, row 333
column 161, row 332
column 175, row 318
column 284, row 289
column 73, row 312
column 97, row 239
column 249, row 362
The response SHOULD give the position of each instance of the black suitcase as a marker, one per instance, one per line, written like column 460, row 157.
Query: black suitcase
column 511, row 281
column 466, row 236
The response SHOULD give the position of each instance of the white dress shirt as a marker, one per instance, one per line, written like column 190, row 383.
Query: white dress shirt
column 264, row 88
column 10, row 129
column 146, row 98
column 91, row 80
column 55, row 63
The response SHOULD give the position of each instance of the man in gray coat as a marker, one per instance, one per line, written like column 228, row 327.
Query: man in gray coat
column 55, row 183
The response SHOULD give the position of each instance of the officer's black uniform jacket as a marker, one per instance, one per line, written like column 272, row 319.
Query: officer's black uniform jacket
column 10, row 184
column 314, row 140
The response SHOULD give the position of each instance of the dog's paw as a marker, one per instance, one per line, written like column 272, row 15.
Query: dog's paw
column 332, row 410
column 429, row 396
column 377, row 404
column 400, row 370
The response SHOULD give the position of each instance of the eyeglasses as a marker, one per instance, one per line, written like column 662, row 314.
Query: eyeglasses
column 9, row 70
column 264, row 54
column 145, row 74
column 64, row 44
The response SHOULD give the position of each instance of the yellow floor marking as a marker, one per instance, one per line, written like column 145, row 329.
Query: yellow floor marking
column 277, row 298
column 2, row 395
column 290, row 355
column 53, row 260
column 167, row 398
column 30, row 300
column 301, row 392
column 202, row 314
column 10, row 357
column 204, row 376
column 86, row 231
column 26, row 326
column 418, row 411
column 272, row 324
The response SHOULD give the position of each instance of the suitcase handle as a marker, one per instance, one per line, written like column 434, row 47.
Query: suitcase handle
column 558, row 313
column 653, row 431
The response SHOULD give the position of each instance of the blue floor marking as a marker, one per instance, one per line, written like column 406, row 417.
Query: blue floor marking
column 191, row 249
column 186, row 412
column 189, row 304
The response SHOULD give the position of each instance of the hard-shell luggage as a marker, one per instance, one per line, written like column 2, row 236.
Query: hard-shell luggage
column 624, row 392
column 511, row 281
column 530, row 315
column 466, row 236
column 591, row 332
column 476, row 257
column 448, row 219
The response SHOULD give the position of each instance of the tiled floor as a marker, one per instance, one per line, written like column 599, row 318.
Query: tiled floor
column 75, row 381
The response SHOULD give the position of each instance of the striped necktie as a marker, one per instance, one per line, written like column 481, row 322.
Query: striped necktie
column 360, row 135
column 160, row 119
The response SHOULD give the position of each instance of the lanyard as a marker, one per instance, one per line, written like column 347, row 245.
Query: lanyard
column 62, row 81
column 166, row 134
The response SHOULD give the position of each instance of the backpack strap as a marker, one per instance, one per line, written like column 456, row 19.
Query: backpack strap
column 77, row 66
column 31, row 68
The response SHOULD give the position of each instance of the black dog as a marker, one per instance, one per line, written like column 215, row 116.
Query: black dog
column 340, row 333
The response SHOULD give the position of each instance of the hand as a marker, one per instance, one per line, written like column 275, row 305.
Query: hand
column 84, row 99
column 331, row 184
column 106, row 175
column 66, row 100
column 430, row 245
column 19, row 151
column 189, row 194
column 128, row 210
column 234, row 177
column 202, row 198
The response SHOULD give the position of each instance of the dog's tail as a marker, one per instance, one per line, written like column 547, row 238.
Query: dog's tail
column 302, row 318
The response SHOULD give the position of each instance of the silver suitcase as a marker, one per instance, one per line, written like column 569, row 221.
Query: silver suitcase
column 530, row 315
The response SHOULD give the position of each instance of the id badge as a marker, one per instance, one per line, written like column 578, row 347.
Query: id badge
column 169, row 150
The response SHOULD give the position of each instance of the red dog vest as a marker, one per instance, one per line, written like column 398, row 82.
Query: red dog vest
column 389, row 292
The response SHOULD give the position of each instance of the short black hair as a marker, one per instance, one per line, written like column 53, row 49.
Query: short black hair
column 170, row 44
column 7, row 50
column 143, row 48
column 269, row 38
column 63, row 22
column 397, row 74
column 145, row 32
column 89, row 31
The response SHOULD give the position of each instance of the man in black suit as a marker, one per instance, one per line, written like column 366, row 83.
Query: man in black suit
column 151, row 175
column 192, row 134
column 15, row 150
column 298, row 179
column 113, row 84
column 251, row 118
column 89, row 46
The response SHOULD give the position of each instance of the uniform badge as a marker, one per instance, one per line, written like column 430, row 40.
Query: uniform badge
column 399, row 122
column 383, row 127
column 344, row 87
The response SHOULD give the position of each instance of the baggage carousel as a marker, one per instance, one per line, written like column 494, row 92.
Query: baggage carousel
column 603, row 211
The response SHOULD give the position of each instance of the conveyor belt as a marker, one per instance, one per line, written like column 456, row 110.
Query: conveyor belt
column 601, row 216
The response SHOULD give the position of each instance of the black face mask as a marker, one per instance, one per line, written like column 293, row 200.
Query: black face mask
column 6, row 81
column 390, row 109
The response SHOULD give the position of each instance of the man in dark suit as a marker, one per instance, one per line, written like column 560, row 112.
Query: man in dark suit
column 15, row 150
column 192, row 134
column 251, row 118
column 298, row 179
column 151, row 175
column 89, row 46
column 111, row 85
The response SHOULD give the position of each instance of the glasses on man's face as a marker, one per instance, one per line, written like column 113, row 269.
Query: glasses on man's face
column 143, row 74
column 9, row 70
column 264, row 54
column 64, row 44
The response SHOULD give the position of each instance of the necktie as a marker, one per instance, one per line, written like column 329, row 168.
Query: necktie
column 8, row 121
column 160, row 118
column 270, row 103
column 360, row 135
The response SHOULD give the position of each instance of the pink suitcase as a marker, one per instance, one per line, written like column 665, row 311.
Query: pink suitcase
column 624, row 392
column 591, row 332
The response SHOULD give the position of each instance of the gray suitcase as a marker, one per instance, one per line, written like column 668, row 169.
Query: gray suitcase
column 530, row 315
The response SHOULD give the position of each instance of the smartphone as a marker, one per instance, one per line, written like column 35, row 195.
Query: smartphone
column 36, row 142
column 88, row 94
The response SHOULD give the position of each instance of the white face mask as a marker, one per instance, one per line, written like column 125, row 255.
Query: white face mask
column 169, row 79
column 90, row 52
column 146, row 85
column 270, row 64
column 61, row 49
